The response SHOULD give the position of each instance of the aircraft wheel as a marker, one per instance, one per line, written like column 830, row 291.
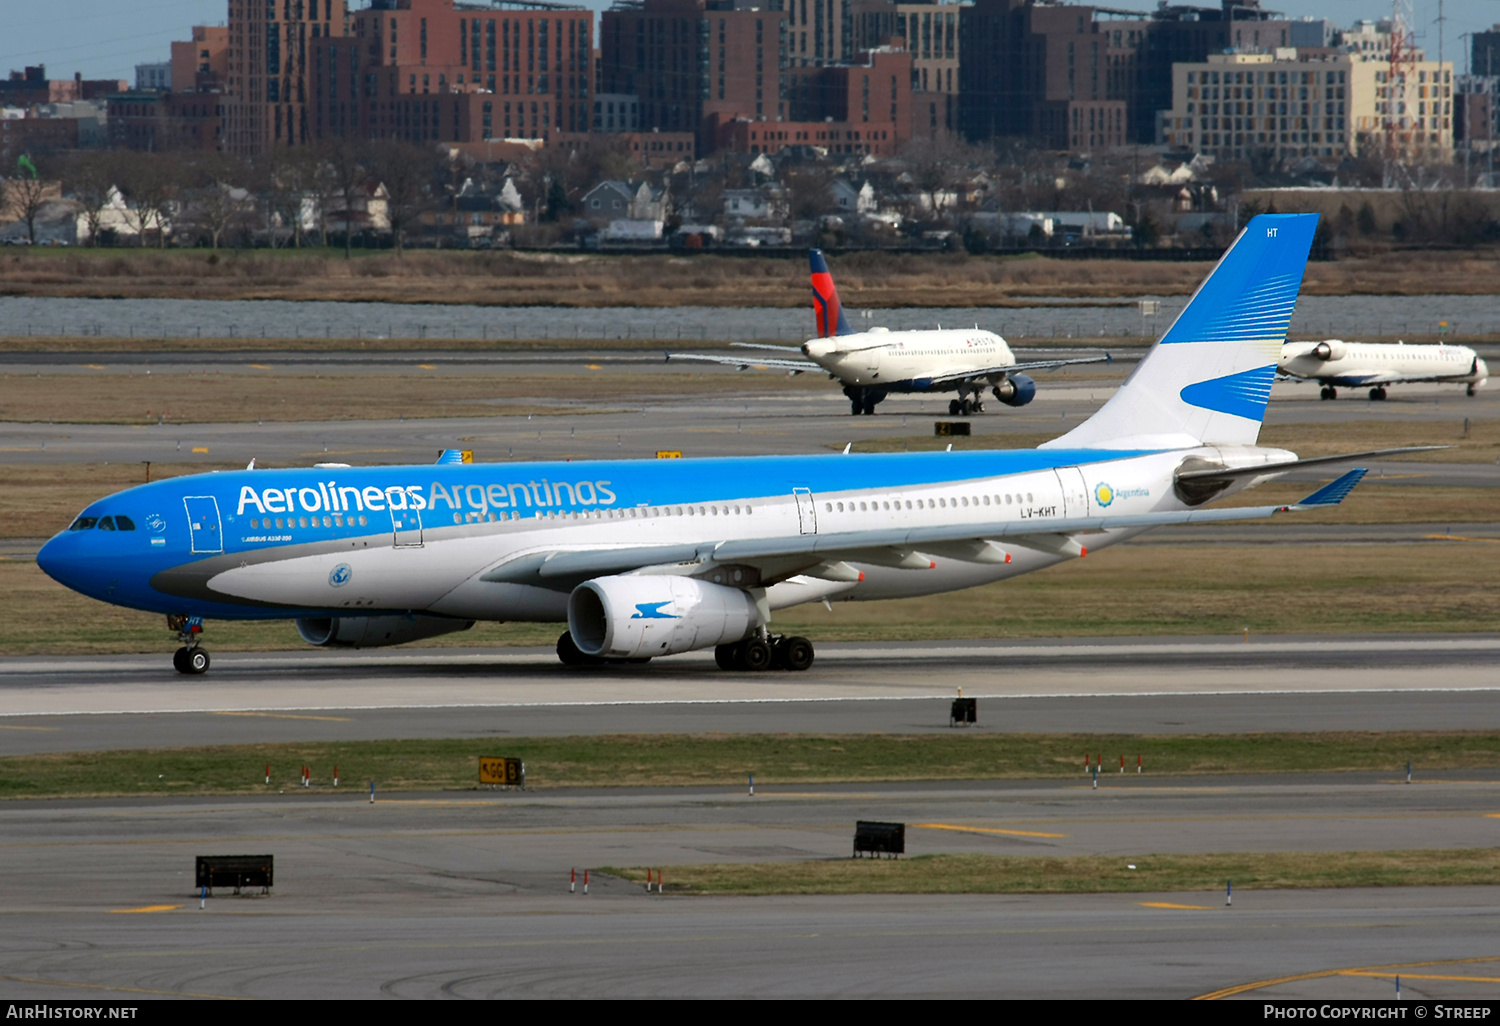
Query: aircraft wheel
column 965, row 408
column 569, row 654
column 196, row 661
column 856, row 407
column 179, row 660
column 1333, row 393
column 869, row 409
column 978, row 406
column 727, row 656
column 1469, row 391
column 755, row 654
column 797, row 654
column 1325, row 393
column 1377, row 394
column 953, row 407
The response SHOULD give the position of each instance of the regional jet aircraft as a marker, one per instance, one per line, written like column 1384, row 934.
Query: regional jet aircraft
column 872, row 364
column 1334, row 363
column 655, row 557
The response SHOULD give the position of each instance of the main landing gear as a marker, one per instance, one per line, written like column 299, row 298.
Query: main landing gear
column 964, row 407
column 863, row 400
column 1377, row 394
column 1328, row 392
column 771, row 652
column 191, row 659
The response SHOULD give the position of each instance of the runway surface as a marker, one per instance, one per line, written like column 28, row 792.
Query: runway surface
column 465, row 895
column 1194, row 685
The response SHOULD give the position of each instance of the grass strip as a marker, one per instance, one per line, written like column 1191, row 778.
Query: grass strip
column 725, row 760
column 1087, row 874
column 1132, row 590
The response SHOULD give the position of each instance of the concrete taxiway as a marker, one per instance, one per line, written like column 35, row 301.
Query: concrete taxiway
column 462, row 894
column 1171, row 685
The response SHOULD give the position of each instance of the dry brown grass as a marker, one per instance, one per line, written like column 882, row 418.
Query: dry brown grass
column 1149, row 590
column 105, row 397
column 523, row 279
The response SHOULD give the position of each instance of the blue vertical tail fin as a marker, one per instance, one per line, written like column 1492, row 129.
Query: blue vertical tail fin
column 1208, row 379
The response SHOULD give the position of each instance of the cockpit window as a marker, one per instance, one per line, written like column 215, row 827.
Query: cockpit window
column 84, row 523
column 124, row 523
column 106, row 523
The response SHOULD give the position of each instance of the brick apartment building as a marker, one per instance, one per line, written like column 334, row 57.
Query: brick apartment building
column 1084, row 77
column 201, row 64
column 268, row 99
column 426, row 70
column 930, row 33
column 31, row 87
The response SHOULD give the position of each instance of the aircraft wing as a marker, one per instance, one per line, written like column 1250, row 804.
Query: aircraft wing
column 986, row 372
column 782, row 557
column 1269, row 469
column 747, row 362
column 765, row 345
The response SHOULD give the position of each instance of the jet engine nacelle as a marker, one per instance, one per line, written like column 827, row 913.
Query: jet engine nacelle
column 375, row 631
column 640, row 617
column 1016, row 390
column 1330, row 350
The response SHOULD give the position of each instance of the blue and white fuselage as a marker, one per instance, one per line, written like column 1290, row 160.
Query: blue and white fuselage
column 647, row 558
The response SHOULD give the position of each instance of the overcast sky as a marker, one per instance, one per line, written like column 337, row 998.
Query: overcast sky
column 108, row 38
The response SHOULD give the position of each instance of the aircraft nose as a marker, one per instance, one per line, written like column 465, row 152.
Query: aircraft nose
column 61, row 560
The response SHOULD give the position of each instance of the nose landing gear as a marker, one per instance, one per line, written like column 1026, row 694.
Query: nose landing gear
column 191, row 659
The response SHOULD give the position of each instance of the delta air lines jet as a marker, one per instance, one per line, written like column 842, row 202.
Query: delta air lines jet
column 872, row 364
column 654, row 557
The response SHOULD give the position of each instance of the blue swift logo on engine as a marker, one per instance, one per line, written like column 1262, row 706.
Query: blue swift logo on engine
column 652, row 611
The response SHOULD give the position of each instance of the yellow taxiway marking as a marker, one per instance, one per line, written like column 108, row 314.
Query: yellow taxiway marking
column 94, row 366
column 984, row 830
column 7, row 726
column 1420, row 976
column 200, row 448
column 121, row 990
column 1241, row 988
column 259, row 366
column 1168, row 904
column 286, row 716
column 1459, row 537
column 144, row 908
column 593, row 366
column 427, row 366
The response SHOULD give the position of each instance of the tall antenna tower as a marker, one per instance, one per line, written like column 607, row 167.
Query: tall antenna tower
column 1400, row 88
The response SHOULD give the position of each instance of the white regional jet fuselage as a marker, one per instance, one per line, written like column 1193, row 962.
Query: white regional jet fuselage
column 1371, row 365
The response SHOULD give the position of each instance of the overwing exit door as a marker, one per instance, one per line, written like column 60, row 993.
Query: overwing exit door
column 1075, row 493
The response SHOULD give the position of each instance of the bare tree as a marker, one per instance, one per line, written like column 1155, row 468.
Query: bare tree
column 25, row 194
column 219, row 206
column 407, row 172
column 90, row 175
column 342, row 173
column 287, row 181
column 150, row 182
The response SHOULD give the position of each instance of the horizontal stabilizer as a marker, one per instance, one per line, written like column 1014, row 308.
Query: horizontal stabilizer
column 1333, row 493
column 1268, row 469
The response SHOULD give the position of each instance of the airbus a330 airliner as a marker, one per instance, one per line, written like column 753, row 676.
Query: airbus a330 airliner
column 651, row 558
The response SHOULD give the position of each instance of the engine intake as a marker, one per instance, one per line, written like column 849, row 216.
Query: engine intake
column 375, row 631
column 1016, row 390
column 639, row 617
column 1330, row 350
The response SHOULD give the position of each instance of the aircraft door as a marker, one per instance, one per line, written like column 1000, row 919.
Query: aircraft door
column 203, row 523
column 406, row 528
column 807, row 510
column 1075, row 493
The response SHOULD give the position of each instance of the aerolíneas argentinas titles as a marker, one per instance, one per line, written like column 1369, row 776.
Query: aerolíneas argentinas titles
column 654, row 557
